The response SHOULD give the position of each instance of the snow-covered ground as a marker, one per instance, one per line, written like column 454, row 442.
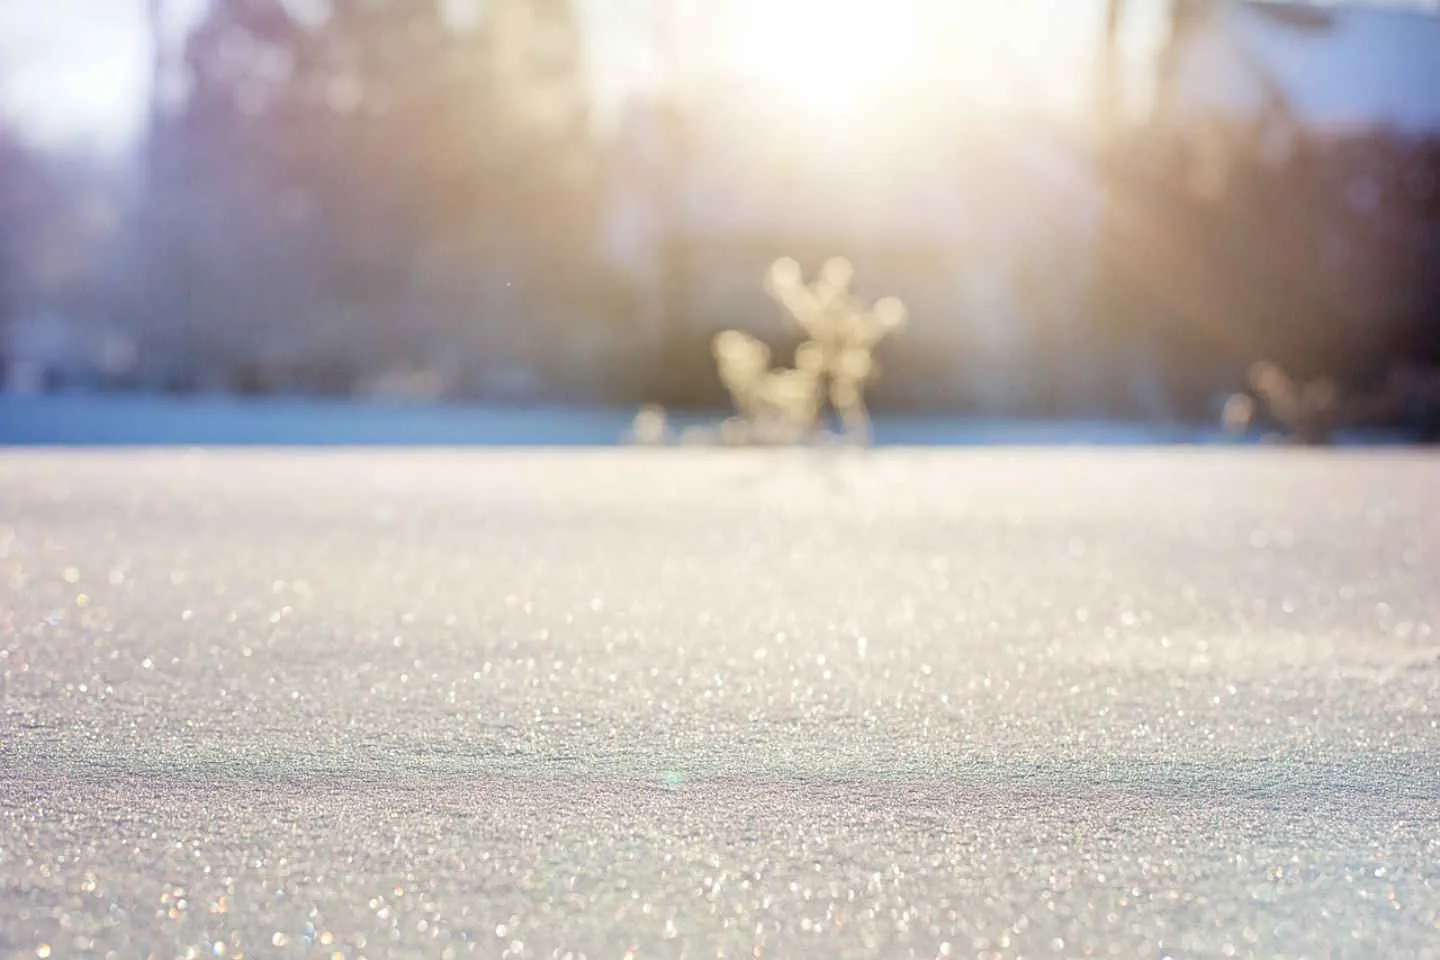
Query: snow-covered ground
column 605, row 703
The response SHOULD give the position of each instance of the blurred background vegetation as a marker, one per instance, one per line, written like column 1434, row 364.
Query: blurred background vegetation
column 1096, row 209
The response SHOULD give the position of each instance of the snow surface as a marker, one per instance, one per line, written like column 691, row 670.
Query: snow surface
column 703, row 703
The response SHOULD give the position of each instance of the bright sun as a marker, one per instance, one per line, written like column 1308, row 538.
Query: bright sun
column 828, row 56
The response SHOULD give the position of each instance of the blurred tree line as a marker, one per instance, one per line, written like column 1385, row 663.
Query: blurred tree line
column 409, row 197
column 392, row 186
column 62, row 253
column 379, row 194
column 1264, row 236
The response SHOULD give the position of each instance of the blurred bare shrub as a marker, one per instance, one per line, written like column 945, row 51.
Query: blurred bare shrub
column 1305, row 412
column 775, row 405
column 785, row 405
column 1312, row 412
column 651, row 426
column 843, row 330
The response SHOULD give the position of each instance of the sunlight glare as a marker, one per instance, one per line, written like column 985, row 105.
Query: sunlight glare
column 828, row 57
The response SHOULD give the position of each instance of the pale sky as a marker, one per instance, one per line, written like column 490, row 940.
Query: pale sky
column 76, row 71
column 73, row 70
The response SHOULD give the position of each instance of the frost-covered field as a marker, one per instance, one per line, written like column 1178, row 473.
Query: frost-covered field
column 703, row 703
